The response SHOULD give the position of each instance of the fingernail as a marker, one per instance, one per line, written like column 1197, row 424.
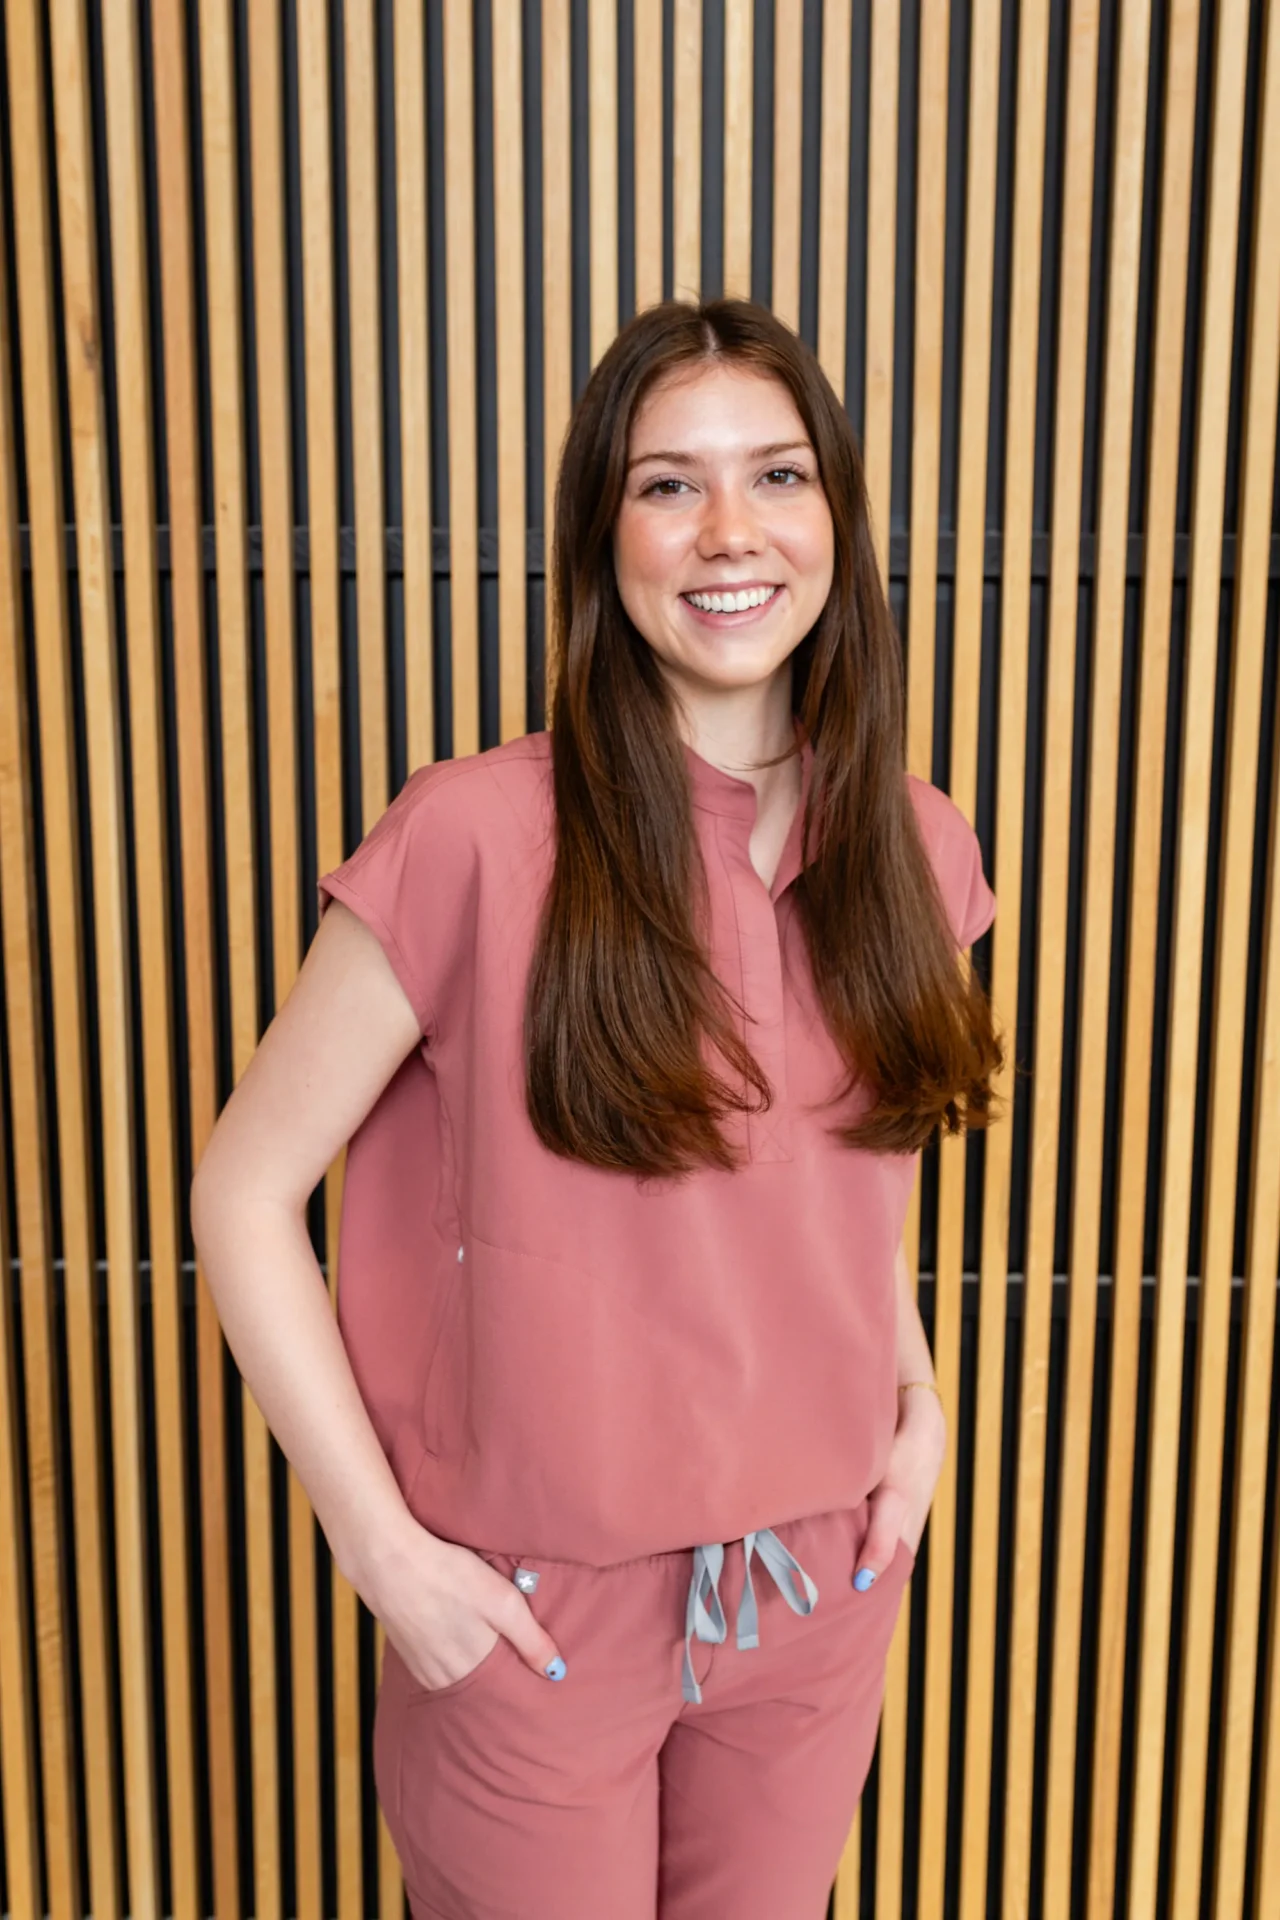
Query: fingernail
column 557, row 1669
column 863, row 1579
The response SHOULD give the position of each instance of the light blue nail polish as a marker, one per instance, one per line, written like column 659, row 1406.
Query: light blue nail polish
column 557, row 1669
column 863, row 1579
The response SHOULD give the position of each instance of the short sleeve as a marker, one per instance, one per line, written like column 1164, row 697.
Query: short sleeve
column 955, row 852
column 383, row 883
column 980, row 901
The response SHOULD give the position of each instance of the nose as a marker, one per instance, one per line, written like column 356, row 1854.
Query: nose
column 729, row 524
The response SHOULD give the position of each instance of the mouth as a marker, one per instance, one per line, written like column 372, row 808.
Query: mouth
column 730, row 616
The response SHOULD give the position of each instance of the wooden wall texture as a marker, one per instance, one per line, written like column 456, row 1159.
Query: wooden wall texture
column 294, row 302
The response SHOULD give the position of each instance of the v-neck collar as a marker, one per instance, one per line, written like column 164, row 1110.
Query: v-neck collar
column 716, row 791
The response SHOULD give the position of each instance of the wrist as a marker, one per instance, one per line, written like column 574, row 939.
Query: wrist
column 380, row 1550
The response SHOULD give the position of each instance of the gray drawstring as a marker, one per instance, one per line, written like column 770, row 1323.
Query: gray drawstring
column 709, row 1623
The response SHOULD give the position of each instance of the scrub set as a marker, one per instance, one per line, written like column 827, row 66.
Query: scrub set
column 657, row 1405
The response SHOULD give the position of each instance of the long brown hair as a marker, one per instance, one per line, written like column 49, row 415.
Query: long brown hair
column 622, row 1006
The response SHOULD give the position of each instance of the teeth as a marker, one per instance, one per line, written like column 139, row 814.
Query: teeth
column 730, row 602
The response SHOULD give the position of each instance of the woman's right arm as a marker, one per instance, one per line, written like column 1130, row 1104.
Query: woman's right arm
column 341, row 1034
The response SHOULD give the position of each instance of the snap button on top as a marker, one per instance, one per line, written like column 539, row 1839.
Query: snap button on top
column 460, row 1252
column 525, row 1579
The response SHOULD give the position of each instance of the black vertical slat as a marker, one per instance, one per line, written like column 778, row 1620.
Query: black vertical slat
column 486, row 360
column 580, row 193
column 626, row 140
column 762, row 151
column 810, row 170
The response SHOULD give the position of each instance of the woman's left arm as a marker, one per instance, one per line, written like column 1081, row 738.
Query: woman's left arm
column 919, row 1411
column 900, row 1504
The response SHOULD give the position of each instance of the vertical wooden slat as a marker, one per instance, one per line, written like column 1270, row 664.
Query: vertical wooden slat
column 28, row 1236
column 226, row 386
column 1015, row 610
column 363, row 269
column 1196, row 760
column 1258, row 1354
column 29, row 149
column 1206, row 1542
column 926, row 411
column 687, row 157
column 1089, row 1144
column 146, row 731
column 788, row 137
column 602, row 138
column 971, row 488
column 922, row 601
column 882, row 259
column 415, row 384
column 315, row 134
column 359, row 54
column 926, row 433
column 833, row 274
column 271, row 333
column 557, row 274
column 649, row 165
column 508, row 180
column 877, row 455
column 739, row 24
column 1061, row 669
column 1131, row 1134
column 86, row 405
column 460, row 303
column 833, row 190
column 60, row 805
column 187, row 589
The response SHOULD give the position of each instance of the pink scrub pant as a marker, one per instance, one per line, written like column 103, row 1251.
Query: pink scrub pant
column 687, row 1767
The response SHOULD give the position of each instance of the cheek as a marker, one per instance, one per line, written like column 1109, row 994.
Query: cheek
column 812, row 554
column 647, row 550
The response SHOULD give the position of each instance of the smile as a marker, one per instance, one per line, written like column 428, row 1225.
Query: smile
column 725, row 609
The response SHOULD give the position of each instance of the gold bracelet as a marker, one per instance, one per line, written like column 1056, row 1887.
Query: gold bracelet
column 931, row 1384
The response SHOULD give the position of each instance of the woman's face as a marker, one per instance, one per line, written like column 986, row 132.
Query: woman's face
column 722, row 493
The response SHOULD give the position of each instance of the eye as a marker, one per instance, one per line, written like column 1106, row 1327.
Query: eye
column 797, row 471
column 664, row 482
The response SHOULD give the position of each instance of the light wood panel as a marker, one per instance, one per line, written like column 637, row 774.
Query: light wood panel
column 557, row 279
column 181, row 329
column 1139, row 1010
column 460, row 296
column 926, row 436
column 788, row 138
column 739, row 52
column 130, row 275
column 25, row 1235
column 687, row 151
column 1248, row 1654
column 187, row 694
column 223, row 329
column 647, row 157
column 602, row 142
column 1195, row 768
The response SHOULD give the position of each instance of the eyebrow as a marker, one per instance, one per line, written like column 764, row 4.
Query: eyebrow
column 677, row 458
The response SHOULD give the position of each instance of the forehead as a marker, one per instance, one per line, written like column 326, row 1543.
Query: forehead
column 715, row 407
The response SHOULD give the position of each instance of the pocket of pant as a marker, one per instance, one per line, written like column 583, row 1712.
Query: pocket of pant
column 422, row 1696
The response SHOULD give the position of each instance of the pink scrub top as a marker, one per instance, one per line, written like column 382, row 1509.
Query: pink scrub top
column 561, row 1360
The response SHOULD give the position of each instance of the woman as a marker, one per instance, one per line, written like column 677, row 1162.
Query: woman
column 636, row 1029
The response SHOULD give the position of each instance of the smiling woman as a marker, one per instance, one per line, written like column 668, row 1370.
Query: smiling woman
column 638, row 1026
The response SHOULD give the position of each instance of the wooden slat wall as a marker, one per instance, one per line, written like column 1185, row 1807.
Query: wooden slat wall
column 278, row 449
